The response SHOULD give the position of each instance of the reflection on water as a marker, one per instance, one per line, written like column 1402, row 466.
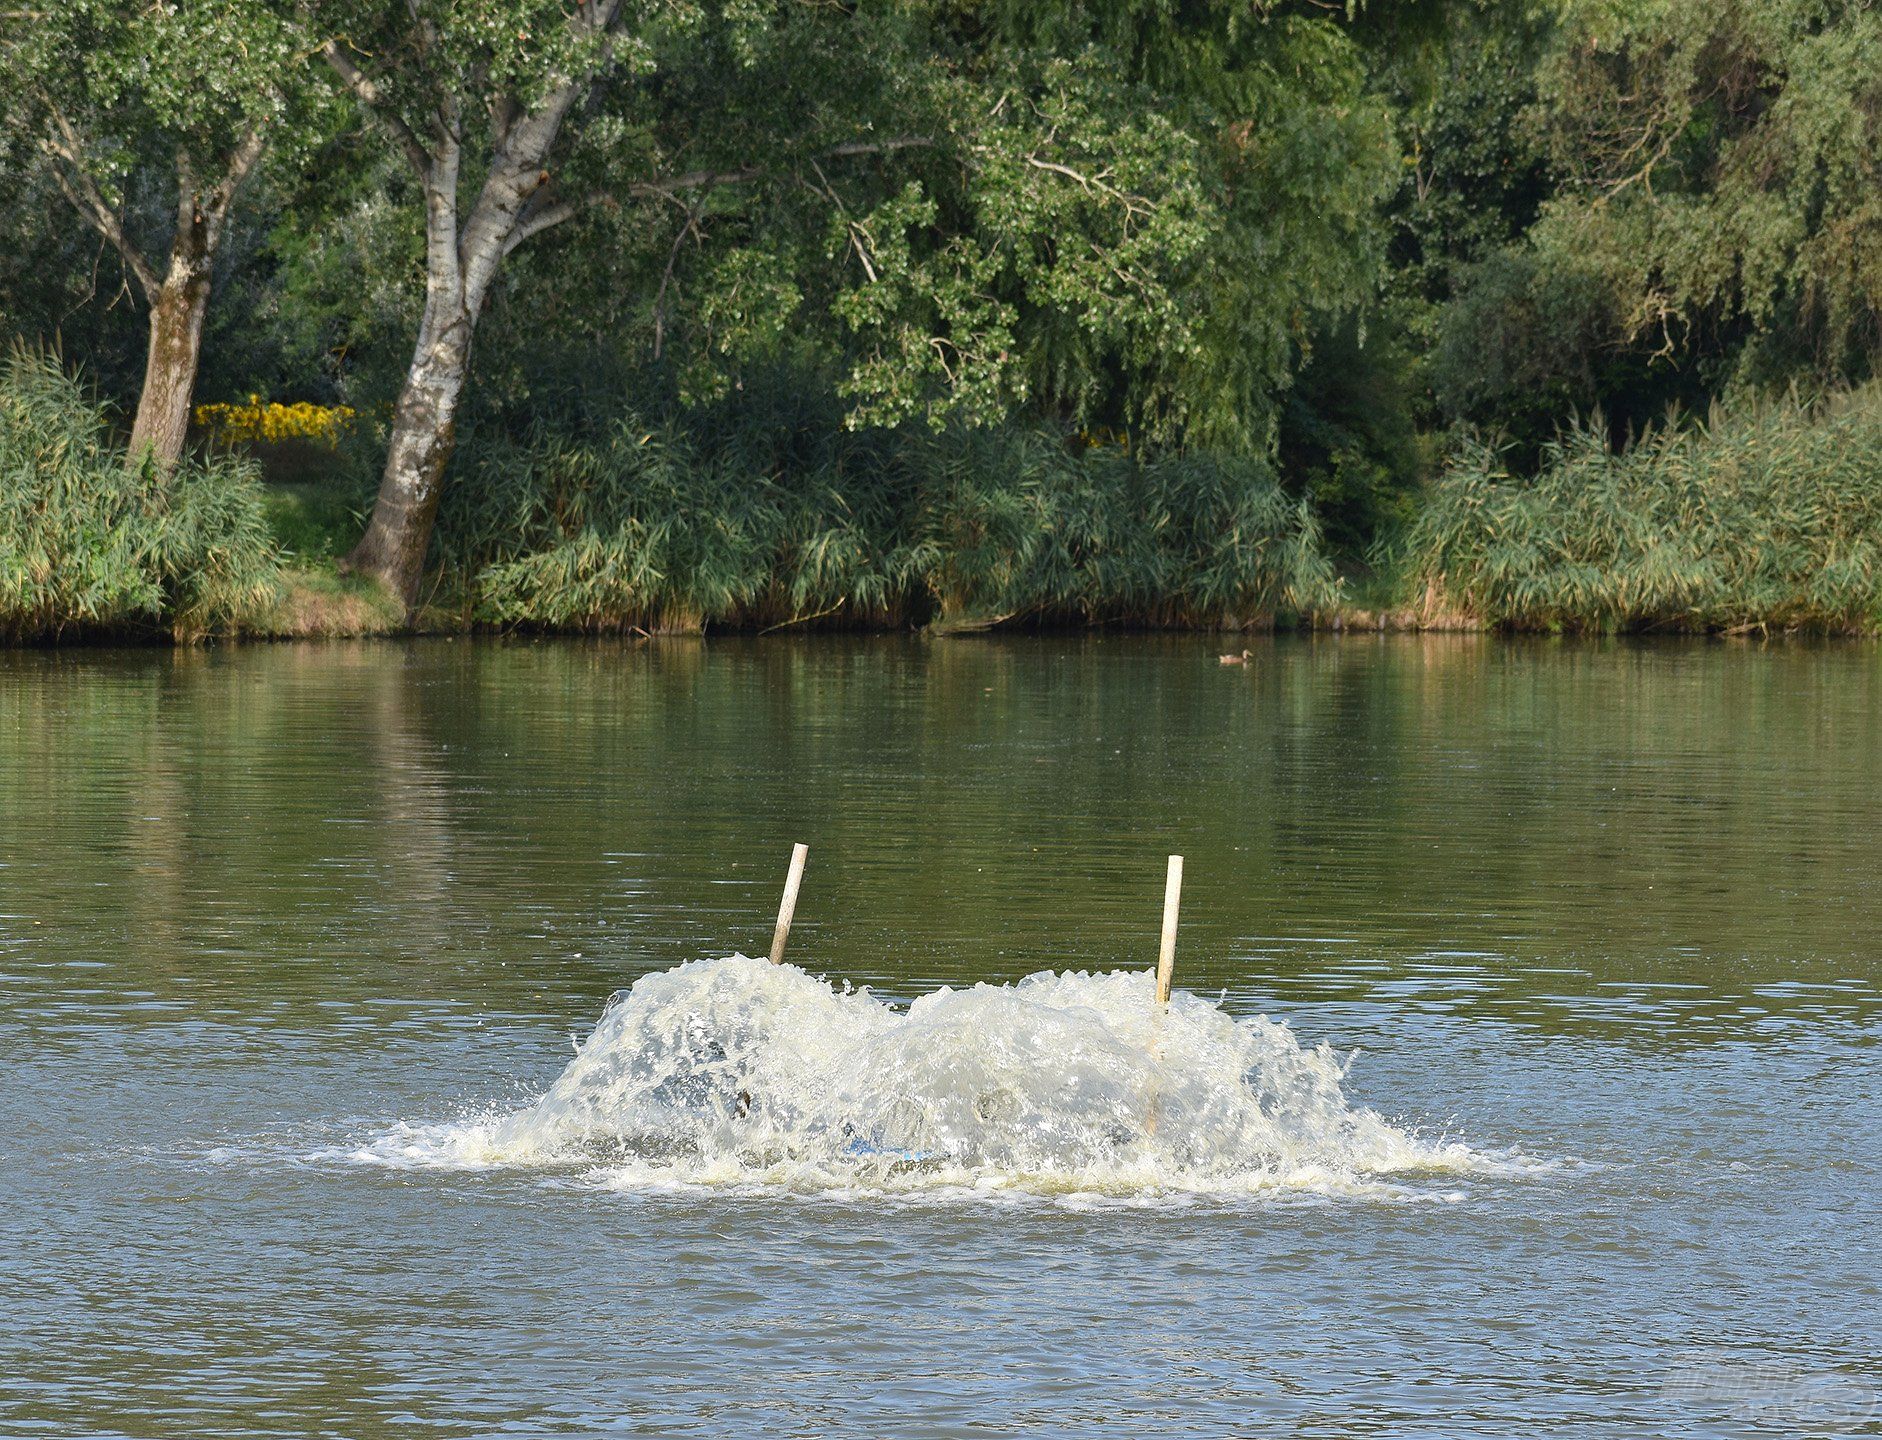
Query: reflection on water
column 1673, row 838
column 1611, row 905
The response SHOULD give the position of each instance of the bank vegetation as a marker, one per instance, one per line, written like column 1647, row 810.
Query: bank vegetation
column 574, row 315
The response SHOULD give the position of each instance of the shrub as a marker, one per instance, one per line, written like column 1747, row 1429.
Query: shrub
column 90, row 542
column 1015, row 524
column 295, row 444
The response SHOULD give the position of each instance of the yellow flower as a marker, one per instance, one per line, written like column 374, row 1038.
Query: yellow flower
column 271, row 423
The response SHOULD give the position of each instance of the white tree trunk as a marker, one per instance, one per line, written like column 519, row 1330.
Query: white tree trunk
column 424, row 435
column 460, row 267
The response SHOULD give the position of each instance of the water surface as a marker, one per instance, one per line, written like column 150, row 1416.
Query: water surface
column 1611, row 909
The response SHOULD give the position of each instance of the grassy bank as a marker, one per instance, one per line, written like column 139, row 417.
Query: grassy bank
column 1766, row 518
column 91, row 545
column 753, row 517
column 771, row 514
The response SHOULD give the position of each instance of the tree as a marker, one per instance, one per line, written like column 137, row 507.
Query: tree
column 1299, row 158
column 505, row 75
column 1722, row 170
column 966, row 213
column 125, row 104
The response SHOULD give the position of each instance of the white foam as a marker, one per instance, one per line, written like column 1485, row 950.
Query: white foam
column 738, row 1075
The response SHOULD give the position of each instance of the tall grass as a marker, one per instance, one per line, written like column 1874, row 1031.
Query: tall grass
column 1014, row 523
column 91, row 543
column 642, row 525
column 1768, row 516
column 773, row 514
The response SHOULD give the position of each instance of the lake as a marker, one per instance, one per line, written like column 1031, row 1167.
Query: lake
column 1593, row 932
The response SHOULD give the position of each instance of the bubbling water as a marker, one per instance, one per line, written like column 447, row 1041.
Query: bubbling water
column 739, row 1072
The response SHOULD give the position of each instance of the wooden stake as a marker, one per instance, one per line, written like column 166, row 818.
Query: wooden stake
column 787, row 907
column 1166, row 968
column 1166, row 957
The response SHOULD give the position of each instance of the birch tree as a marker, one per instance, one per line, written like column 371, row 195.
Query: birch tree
column 476, row 98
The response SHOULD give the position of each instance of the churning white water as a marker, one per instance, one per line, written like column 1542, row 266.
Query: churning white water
column 740, row 1073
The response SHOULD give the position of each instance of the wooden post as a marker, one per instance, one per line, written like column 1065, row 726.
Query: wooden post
column 1166, row 957
column 788, row 905
column 1166, row 968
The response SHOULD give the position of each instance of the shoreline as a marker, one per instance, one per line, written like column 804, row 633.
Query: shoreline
column 321, row 606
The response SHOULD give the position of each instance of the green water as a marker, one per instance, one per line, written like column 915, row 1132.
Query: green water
column 1612, row 907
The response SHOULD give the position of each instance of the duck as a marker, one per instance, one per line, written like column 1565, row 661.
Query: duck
column 1241, row 659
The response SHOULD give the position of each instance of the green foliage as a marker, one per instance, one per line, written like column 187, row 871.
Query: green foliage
column 1769, row 516
column 127, row 81
column 122, row 103
column 1120, row 220
column 1348, row 442
column 1722, row 164
column 751, row 517
column 1531, row 338
column 1149, row 249
column 315, row 519
column 649, row 523
column 88, row 542
column 331, row 292
column 1476, row 169
column 1086, row 210
column 58, row 283
column 1455, row 80
column 1019, row 525
column 1259, row 241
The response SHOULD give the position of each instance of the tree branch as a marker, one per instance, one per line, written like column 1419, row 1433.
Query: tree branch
column 546, row 217
column 697, row 179
column 240, row 163
column 241, row 160
column 503, row 113
column 82, row 191
column 366, row 90
column 507, row 203
column 880, row 147
column 691, row 227
column 691, row 180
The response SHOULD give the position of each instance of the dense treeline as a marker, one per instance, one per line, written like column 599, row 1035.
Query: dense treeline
column 753, row 314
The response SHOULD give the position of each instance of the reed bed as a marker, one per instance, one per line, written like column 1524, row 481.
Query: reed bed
column 91, row 543
column 759, row 520
column 1767, row 517
column 770, row 514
